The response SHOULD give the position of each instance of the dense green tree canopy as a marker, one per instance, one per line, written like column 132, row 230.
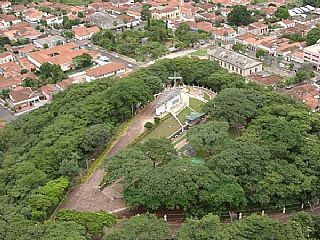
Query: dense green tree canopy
column 282, row 13
column 143, row 227
column 313, row 36
column 239, row 16
column 235, row 105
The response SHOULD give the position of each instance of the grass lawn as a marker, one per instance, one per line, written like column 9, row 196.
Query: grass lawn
column 196, row 105
column 165, row 129
column 201, row 52
column 206, row 96
column 183, row 115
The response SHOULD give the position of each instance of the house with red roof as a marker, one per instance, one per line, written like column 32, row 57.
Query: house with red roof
column 62, row 55
column 107, row 70
column 6, row 57
column 5, row 6
column 83, row 32
column 21, row 97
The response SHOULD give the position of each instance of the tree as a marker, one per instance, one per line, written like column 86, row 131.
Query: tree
column 46, row 198
column 303, row 75
column 244, row 160
column 208, row 137
column 93, row 222
column 81, row 15
column 143, row 227
column 185, row 35
column 148, row 126
column 313, row 36
column 238, row 47
column 282, row 13
column 222, row 79
column 181, row 184
column 260, row 53
column 82, row 61
column 235, row 105
column 305, row 221
column 67, row 33
column 239, row 15
column 146, row 13
column 207, row 228
column 51, row 73
column 314, row 3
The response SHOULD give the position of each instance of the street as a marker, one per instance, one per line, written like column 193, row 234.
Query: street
column 113, row 57
column 6, row 114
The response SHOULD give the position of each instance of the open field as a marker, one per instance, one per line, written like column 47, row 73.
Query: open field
column 165, row 129
column 196, row 105
column 201, row 52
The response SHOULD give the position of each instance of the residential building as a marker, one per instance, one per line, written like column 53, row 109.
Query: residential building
column 6, row 57
column 105, row 20
column 165, row 13
column 235, row 62
column 107, row 70
column 287, row 23
column 225, row 34
column 5, row 6
column 50, row 41
column 311, row 55
column 255, row 28
column 62, row 55
column 82, row 33
column 49, row 90
column 33, row 15
column 21, row 97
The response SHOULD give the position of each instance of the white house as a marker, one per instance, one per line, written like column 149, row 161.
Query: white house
column 168, row 100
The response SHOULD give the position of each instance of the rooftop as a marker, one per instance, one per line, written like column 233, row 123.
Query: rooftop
column 60, row 54
column 105, row 69
column 233, row 58
column 167, row 96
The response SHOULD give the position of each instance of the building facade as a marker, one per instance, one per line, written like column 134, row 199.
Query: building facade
column 235, row 62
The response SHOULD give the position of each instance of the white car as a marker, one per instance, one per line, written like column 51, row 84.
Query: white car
column 104, row 58
column 130, row 65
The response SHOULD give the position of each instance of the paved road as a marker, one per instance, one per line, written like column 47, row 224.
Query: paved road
column 6, row 114
column 113, row 57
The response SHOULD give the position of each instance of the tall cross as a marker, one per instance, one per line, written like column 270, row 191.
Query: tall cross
column 175, row 78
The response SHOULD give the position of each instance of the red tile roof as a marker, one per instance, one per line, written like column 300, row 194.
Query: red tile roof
column 105, row 69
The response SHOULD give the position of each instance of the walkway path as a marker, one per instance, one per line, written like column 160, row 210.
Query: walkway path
column 86, row 196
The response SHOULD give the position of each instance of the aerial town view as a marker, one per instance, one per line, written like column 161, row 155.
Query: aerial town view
column 159, row 119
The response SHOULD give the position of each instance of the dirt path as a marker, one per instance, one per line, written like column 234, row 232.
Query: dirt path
column 86, row 196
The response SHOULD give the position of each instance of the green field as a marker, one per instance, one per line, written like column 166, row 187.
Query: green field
column 201, row 52
column 196, row 105
column 165, row 129
column 183, row 115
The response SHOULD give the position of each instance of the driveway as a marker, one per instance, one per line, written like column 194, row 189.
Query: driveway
column 6, row 114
